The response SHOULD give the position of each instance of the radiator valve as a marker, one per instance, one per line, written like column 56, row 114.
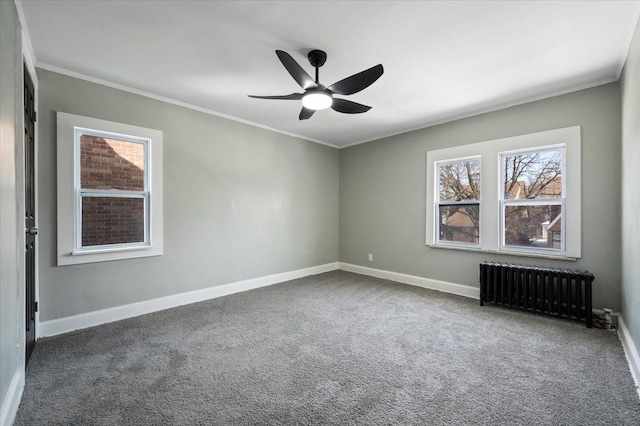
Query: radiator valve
column 607, row 318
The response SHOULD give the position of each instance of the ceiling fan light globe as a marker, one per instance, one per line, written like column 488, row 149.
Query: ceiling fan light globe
column 317, row 100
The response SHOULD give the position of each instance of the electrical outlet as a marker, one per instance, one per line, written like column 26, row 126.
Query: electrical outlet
column 370, row 257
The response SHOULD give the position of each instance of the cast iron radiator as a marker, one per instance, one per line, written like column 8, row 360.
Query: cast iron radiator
column 560, row 292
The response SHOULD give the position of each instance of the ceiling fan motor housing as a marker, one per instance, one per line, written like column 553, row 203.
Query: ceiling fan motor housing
column 317, row 58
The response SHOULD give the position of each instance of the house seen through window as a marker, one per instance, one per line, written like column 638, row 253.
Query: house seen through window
column 532, row 199
column 518, row 195
column 459, row 201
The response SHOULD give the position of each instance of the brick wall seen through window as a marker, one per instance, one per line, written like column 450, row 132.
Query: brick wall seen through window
column 111, row 164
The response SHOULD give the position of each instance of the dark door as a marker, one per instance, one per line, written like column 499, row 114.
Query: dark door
column 30, row 213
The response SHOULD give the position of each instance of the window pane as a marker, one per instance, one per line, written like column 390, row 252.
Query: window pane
column 112, row 220
column 459, row 181
column 111, row 164
column 460, row 223
column 533, row 226
column 532, row 175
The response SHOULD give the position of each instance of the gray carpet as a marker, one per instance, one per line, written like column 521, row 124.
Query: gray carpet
column 335, row 348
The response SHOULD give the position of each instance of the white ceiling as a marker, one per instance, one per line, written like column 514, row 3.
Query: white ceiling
column 442, row 60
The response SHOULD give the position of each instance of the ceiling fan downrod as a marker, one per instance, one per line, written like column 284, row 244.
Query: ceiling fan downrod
column 317, row 58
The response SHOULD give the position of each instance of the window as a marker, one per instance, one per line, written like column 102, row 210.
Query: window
column 518, row 195
column 531, row 203
column 458, row 201
column 112, row 190
column 109, row 190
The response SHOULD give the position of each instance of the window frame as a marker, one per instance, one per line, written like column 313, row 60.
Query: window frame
column 439, row 203
column 561, row 201
column 81, row 192
column 70, row 192
column 490, row 214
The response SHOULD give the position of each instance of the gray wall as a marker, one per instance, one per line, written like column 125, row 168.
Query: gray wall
column 11, row 235
column 239, row 202
column 630, row 92
column 383, row 191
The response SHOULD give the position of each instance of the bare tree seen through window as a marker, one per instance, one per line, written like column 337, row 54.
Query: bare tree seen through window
column 533, row 198
column 459, row 201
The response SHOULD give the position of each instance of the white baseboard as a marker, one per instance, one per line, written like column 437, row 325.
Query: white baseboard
column 630, row 351
column 90, row 319
column 11, row 400
column 444, row 286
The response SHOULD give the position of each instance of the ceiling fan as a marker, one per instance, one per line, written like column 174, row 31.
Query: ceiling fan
column 316, row 96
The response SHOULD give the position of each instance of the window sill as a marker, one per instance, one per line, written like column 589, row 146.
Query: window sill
column 507, row 253
column 84, row 252
column 77, row 257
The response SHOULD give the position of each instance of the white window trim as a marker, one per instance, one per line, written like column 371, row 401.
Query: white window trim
column 438, row 203
column 69, row 250
column 490, row 221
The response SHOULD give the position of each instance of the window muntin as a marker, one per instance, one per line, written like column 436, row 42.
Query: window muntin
column 112, row 190
column 458, row 201
column 532, row 200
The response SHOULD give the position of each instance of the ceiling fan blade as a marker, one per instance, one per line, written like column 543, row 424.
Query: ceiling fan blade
column 296, row 71
column 348, row 107
column 357, row 82
column 293, row 96
column 306, row 113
